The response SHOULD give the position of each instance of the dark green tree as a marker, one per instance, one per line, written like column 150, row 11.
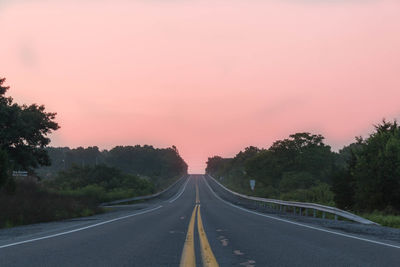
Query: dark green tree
column 216, row 165
column 160, row 165
column 376, row 172
column 23, row 132
column 343, row 182
column 4, row 168
column 304, row 154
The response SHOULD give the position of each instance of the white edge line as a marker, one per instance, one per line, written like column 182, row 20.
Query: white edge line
column 300, row 224
column 94, row 225
column 180, row 193
column 79, row 229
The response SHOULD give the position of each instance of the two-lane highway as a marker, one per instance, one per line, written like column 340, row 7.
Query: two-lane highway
column 195, row 227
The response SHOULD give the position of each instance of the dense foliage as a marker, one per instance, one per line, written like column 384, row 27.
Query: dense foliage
column 296, row 168
column 363, row 177
column 23, row 135
column 31, row 202
column 100, row 182
column 80, row 178
column 4, row 168
column 159, row 165
column 371, row 180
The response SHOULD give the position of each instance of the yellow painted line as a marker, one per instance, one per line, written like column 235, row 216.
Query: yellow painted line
column 207, row 255
column 188, row 258
column 197, row 194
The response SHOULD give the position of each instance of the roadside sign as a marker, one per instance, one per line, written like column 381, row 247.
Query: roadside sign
column 252, row 184
column 20, row 173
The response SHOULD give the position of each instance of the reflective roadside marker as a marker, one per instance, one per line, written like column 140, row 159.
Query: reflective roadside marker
column 252, row 184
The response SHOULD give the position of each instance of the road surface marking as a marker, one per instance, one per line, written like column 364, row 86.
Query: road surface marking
column 79, row 229
column 183, row 190
column 207, row 255
column 94, row 225
column 197, row 193
column 188, row 258
column 300, row 224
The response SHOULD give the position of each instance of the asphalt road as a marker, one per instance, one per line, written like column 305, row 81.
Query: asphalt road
column 158, row 235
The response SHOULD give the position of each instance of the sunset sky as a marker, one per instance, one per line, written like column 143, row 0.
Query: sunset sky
column 210, row 77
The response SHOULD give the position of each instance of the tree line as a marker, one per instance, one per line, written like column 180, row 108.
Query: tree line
column 159, row 165
column 24, row 131
column 63, row 182
column 364, row 176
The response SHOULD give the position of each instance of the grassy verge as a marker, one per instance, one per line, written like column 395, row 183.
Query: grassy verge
column 319, row 194
column 32, row 203
column 383, row 219
column 76, row 193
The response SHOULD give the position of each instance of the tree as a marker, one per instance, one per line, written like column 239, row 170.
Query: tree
column 23, row 132
column 302, row 154
column 343, row 187
column 4, row 168
column 343, row 183
column 160, row 165
column 376, row 172
column 214, row 164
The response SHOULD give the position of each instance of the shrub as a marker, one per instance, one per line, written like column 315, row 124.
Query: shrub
column 319, row 193
column 32, row 203
column 383, row 219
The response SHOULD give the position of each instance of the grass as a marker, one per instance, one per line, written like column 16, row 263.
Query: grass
column 32, row 203
column 322, row 195
column 383, row 219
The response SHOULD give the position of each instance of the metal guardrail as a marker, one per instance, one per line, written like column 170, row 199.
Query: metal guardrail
column 142, row 197
column 301, row 205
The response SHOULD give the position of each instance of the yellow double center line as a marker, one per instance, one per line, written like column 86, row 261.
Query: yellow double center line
column 188, row 258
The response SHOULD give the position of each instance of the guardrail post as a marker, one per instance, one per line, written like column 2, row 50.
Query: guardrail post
column 300, row 213
column 315, row 213
column 294, row 210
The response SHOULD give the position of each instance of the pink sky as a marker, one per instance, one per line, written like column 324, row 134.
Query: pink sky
column 210, row 77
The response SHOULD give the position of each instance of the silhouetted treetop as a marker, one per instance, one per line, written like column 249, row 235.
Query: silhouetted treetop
column 24, row 131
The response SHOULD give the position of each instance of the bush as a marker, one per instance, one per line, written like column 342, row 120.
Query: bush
column 100, row 183
column 383, row 219
column 319, row 193
column 296, row 180
column 32, row 203
column 3, row 167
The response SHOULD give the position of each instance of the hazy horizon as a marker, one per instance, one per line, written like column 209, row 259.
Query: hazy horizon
column 210, row 77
